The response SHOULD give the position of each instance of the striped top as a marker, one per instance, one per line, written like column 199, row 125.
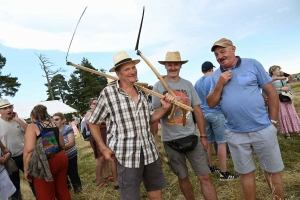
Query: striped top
column 128, row 129
column 72, row 152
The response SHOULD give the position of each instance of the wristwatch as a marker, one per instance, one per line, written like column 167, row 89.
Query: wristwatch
column 275, row 122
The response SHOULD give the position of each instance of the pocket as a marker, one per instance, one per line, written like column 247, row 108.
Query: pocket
column 244, row 79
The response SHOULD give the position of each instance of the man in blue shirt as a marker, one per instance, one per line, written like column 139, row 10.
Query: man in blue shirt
column 237, row 85
column 214, row 123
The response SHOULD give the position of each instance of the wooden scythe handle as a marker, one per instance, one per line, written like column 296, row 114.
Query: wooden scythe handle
column 162, row 80
column 181, row 105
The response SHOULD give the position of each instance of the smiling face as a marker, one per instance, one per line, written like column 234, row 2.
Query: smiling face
column 127, row 72
column 225, row 56
column 58, row 121
column 7, row 113
column 173, row 69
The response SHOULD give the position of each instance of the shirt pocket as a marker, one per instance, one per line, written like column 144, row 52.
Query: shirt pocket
column 244, row 79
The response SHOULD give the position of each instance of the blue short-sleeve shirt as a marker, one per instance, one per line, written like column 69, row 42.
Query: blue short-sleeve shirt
column 241, row 99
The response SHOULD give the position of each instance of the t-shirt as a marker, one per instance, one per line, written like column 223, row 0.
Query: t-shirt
column 186, row 94
column 12, row 136
column 241, row 101
column 202, row 87
column 71, row 152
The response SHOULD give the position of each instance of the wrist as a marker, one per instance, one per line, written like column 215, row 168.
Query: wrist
column 203, row 136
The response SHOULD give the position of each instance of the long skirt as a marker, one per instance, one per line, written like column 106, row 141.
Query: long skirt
column 288, row 118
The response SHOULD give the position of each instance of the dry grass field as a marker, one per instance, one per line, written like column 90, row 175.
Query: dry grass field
column 226, row 190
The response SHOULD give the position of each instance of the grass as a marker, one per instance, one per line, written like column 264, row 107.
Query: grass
column 290, row 150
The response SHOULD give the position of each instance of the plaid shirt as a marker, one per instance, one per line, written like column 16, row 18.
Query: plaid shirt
column 128, row 129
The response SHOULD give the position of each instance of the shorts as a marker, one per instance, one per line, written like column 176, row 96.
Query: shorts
column 197, row 158
column 130, row 179
column 97, row 152
column 215, row 127
column 265, row 145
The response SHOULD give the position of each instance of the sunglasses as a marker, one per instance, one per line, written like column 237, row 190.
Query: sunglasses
column 56, row 119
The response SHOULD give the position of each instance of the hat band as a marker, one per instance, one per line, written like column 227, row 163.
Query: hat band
column 5, row 105
column 123, row 61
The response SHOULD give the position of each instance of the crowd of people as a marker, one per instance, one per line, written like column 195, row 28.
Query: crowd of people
column 228, row 110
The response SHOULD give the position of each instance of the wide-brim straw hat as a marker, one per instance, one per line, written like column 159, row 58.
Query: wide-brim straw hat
column 173, row 57
column 121, row 58
column 5, row 103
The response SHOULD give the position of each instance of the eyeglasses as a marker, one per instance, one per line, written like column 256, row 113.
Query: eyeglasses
column 56, row 119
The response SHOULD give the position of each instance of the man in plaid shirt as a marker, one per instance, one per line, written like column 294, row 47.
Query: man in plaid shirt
column 127, row 113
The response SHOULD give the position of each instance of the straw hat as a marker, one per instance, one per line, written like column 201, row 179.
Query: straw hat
column 121, row 58
column 111, row 81
column 5, row 103
column 173, row 57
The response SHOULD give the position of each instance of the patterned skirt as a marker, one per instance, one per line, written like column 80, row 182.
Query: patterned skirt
column 288, row 118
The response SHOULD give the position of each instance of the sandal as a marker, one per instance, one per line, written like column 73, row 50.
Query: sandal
column 109, row 178
column 102, row 184
column 287, row 137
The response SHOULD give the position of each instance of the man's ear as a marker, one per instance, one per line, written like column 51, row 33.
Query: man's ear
column 233, row 48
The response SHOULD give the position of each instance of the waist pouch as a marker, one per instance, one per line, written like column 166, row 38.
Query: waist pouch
column 185, row 144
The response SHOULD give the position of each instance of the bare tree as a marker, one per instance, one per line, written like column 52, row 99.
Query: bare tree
column 46, row 66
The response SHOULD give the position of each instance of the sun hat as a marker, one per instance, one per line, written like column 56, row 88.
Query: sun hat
column 173, row 57
column 5, row 103
column 223, row 42
column 207, row 66
column 121, row 58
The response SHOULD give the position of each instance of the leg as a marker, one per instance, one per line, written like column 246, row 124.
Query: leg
column 222, row 156
column 248, row 185
column 155, row 195
column 186, row 188
column 275, row 183
column 105, row 168
column 73, row 175
column 59, row 177
column 114, row 173
column 207, row 187
column 209, row 154
column 98, row 169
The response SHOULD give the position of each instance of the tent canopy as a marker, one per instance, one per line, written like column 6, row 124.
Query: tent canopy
column 23, row 109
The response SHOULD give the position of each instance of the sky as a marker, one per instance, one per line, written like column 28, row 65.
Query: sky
column 268, row 31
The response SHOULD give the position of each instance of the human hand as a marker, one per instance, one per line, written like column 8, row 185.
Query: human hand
column 204, row 142
column 5, row 158
column 15, row 116
column 225, row 77
column 27, row 176
column 108, row 153
column 167, row 101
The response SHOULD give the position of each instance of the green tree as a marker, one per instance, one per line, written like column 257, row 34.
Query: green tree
column 84, row 85
column 60, row 88
column 8, row 85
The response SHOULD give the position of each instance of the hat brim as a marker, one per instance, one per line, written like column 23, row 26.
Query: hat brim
column 182, row 62
column 218, row 45
column 6, row 105
column 114, row 68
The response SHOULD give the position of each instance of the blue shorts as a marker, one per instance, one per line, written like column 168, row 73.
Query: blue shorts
column 215, row 127
column 265, row 145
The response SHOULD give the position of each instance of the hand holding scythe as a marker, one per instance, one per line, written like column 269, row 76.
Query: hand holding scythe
column 170, row 117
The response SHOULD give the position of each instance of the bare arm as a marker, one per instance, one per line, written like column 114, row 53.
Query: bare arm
column 6, row 154
column 29, row 144
column 201, row 124
column 160, row 112
column 273, row 100
column 20, row 122
column 214, row 97
column 71, row 141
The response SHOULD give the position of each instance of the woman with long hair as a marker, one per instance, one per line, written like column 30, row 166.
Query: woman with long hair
column 71, row 149
column 288, row 118
column 58, row 161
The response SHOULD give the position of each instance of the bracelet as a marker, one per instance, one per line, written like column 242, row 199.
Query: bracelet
column 203, row 136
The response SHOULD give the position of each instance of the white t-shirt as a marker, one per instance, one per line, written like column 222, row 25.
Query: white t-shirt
column 12, row 136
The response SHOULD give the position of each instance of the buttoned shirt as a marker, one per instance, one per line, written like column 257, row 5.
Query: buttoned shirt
column 128, row 128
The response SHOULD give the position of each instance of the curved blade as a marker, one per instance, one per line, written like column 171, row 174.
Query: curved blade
column 138, row 39
column 74, row 33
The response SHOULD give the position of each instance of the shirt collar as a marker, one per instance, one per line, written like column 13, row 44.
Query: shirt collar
column 237, row 64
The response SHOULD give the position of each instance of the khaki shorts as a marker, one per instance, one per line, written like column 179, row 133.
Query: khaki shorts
column 197, row 158
column 263, row 142
column 130, row 179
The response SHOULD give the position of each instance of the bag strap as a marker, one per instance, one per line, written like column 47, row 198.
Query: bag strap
column 40, row 127
column 282, row 83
